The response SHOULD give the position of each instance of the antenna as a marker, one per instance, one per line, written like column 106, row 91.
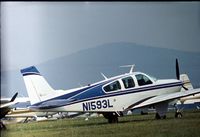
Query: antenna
column 132, row 67
column 80, row 85
column 104, row 76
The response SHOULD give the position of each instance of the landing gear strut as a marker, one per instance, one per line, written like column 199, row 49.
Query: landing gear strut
column 111, row 116
column 2, row 126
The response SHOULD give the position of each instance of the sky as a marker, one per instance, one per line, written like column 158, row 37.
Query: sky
column 35, row 32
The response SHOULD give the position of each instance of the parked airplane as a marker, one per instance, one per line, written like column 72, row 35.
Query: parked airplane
column 11, row 115
column 27, row 114
column 5, row 108
column 192, row 98
column 109, row 97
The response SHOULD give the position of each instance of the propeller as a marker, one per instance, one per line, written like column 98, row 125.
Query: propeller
column 178, row 73
column 13, row 98
column 177, row 70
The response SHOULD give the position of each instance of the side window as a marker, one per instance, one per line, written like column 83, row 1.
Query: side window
column 113, row 86
column 143, row 80
column 128, row 82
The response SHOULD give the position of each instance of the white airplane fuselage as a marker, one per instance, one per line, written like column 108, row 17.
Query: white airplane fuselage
column 112, row 101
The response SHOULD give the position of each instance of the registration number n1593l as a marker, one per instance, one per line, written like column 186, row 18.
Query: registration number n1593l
column 99, row 104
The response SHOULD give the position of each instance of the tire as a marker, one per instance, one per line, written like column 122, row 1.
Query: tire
column 178, row 115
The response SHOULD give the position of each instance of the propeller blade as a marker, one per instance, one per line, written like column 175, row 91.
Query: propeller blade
column 177, row 70
column 13, row 98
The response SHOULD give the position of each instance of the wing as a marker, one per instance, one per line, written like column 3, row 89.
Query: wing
column 21, row 113
column 162, row 98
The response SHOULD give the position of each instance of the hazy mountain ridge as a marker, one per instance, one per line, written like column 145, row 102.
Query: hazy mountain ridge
column 84, row 67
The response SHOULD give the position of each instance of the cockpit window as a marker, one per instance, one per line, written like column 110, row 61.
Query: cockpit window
column 143, row 80
column 128, row 82
column 152, row 77
column 113, row 86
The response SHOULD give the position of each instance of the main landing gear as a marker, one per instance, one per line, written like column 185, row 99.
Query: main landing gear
column 178, row 113
column 157, row 116
column 112, row 116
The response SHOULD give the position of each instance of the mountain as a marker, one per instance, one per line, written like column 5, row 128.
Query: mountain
column 85, row 66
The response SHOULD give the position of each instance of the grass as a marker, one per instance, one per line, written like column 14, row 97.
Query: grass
column 128, row 126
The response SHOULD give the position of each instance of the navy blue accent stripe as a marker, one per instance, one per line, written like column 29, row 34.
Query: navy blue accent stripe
column 156, row 86
column 139, row 102
column 123, row 92
column 27, row 74
column 31, row 70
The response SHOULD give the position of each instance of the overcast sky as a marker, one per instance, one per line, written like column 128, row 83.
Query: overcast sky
column 36, row 32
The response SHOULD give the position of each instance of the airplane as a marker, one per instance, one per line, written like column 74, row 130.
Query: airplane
column 109, row 97
column 27, row 114
column 192, row 98
column 24, row 114
column 5, row 108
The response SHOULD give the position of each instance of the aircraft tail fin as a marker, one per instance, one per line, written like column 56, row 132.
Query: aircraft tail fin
column 36, row 85
column 186, row 81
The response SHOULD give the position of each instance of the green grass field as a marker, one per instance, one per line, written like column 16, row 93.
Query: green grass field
column 128, row 126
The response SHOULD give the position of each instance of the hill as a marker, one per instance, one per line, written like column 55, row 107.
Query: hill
column 84, row 67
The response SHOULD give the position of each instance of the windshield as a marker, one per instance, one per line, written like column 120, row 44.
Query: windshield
column 152, row 77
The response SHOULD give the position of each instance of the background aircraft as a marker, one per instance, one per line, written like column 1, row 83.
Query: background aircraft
column 5, row 107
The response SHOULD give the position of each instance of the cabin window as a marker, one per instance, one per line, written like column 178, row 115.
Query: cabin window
column 128, row 82
column 113, row 86
column 143, row 80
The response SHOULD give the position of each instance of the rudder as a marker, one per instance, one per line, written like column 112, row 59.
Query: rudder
column 36, row 85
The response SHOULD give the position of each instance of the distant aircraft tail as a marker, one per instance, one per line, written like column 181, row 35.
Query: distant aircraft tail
column 186, row 81
column 37, row 87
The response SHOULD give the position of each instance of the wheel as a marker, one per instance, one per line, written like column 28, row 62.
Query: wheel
column 112, row 117
column 2, row 126
column 178, row 115
column 164, row 117
column 157, row 116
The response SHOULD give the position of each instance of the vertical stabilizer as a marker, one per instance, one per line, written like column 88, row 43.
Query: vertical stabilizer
column 36, row 85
